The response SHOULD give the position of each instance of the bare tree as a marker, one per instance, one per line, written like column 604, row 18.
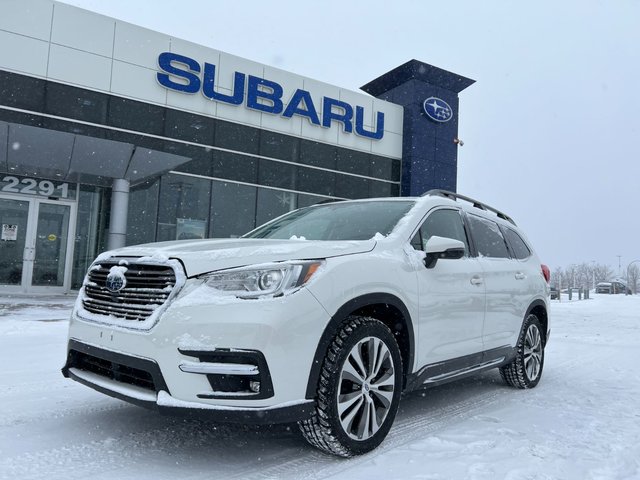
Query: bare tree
column 633, row 273
column 586, row 275
column 556, row 278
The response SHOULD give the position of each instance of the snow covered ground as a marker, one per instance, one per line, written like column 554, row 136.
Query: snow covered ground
column 581, row 422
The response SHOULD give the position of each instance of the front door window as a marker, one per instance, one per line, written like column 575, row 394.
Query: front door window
column 13, row 224
column 51, row 245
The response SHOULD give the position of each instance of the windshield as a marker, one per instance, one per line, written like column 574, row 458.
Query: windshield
column 336, row 221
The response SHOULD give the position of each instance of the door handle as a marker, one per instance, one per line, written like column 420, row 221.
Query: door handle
column 476, row 280
column 520, row 276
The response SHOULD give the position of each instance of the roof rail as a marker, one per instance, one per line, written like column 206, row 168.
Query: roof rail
column 474, row 202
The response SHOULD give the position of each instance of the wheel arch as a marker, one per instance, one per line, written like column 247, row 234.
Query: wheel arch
column 539, row 309
column 385, row 307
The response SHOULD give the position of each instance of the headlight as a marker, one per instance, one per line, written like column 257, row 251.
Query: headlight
column 271, row 280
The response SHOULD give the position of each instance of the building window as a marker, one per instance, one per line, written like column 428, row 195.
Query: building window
column 351, row 187
column 71, row 102
column 233, row 166
column 316, row 181
column 136, row 116
column 279, row 146
column 91, row 230
column 237, row 137
column 272, row 204
column 183, row 210
column 189, row 127
column 276, row 174
column 143, row 212
column 318, row 154
column 233, row 209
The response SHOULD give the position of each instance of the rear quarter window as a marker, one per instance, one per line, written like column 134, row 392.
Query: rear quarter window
column 520, row 249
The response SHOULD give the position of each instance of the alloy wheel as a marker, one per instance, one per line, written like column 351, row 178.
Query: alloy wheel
column 532, row 352
column 366, row 388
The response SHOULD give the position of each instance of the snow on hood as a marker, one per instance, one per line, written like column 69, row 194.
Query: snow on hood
column 202, row 256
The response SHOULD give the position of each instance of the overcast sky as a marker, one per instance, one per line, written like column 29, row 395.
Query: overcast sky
column 550, row 129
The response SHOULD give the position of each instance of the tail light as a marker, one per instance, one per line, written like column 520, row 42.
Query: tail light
column 546, row 273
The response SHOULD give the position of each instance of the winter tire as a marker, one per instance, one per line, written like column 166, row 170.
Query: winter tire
column 358, row 391
column 526, row 369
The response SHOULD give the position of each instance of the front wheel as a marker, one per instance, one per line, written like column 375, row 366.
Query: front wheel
column 526, row 369
column 358, row 391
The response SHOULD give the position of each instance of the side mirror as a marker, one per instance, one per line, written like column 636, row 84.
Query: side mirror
column 442, row 248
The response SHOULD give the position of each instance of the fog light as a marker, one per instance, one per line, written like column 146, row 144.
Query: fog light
column 254, row 386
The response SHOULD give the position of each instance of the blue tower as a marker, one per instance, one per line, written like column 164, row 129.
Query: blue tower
column 429, row 96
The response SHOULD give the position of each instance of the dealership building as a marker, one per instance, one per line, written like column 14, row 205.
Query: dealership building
column 112, row 134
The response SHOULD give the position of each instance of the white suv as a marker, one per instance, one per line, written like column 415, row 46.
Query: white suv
column 323, row 316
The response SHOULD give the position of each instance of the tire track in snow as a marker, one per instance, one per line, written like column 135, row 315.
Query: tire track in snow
column 29, row 417
column 408, row 427
column 29, row 388
column 419, row 418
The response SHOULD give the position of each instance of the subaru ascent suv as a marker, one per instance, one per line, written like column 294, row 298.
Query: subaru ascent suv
column 323, row 316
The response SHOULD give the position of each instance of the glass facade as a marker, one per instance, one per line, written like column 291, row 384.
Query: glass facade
column 238, row 176
column 91, row 230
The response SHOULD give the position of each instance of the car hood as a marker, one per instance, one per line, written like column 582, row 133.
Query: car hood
column 202, row 256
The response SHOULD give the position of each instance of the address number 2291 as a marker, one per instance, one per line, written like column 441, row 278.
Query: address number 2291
column 31, row 186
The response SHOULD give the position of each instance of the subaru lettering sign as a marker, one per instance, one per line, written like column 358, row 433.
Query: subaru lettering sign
column 437, row 109
column 186, row 75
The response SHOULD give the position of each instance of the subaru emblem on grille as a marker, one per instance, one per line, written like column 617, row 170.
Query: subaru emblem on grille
column 116, row 280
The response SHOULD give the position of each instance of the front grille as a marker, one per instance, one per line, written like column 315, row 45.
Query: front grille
column 146, row 288
column 112, row 370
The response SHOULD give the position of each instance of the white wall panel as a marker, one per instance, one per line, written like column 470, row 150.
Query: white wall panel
column 319, row 90
column 313, row 132
column 393, row 115
column 229, row 64
column 136, row 82
column 193, row 50
column 391, row 147
column 290, row 83
column 31, row 18
column 288, row 126
column 138, row 45
column 23, row 54
column 79, row 68
column 238, row 113
column 355, row 99
column 194, row 102
column 83, row 30
column 351, row 140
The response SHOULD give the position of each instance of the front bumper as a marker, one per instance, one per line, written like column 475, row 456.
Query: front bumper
column 201, row 357
column 140, row 382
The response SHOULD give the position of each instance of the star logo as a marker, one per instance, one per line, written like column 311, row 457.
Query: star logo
column 437, row 109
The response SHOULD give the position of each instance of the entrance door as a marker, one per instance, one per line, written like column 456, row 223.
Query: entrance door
column 35, row 244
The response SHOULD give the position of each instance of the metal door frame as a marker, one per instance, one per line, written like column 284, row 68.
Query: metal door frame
column 30, row 243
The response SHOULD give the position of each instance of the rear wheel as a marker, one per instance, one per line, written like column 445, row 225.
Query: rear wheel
column 526, row 369
column 358, row 391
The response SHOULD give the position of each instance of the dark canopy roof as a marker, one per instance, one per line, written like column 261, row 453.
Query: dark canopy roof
column 417, row 70
column 34, row 151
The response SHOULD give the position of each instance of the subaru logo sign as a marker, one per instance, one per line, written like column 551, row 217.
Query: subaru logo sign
column 437, row 109
column 116, row 280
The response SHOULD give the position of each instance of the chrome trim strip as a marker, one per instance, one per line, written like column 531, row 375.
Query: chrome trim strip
column 462, row 371
column 219, row 368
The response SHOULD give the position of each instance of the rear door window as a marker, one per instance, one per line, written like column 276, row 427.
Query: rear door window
column 487, row 237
